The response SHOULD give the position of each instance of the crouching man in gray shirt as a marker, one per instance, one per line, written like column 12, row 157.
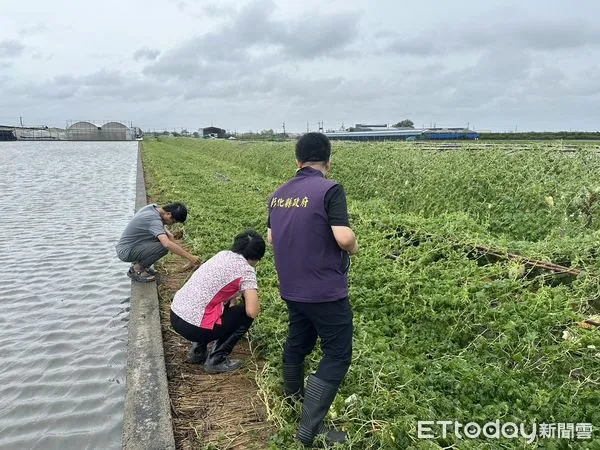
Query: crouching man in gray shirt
column 146, row 240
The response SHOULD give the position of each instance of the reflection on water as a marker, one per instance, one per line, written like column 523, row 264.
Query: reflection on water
column 64, row 294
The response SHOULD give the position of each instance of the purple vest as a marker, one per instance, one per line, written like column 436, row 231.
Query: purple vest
column 309, row 263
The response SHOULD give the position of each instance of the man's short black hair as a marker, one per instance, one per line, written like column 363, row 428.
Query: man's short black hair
column 178, row 211
column 313, row 147
column 249, row 244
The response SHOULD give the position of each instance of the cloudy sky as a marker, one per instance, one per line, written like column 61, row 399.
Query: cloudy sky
column 252, row 65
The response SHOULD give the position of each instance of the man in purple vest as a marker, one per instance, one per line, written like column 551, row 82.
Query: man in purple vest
column 311, row 236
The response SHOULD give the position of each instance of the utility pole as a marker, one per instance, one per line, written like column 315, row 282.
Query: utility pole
column 307, row 126
column 283, row 129
column 21, row 120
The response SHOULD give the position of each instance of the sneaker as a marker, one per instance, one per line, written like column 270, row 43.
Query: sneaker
column 140, row 276
column 151, row 271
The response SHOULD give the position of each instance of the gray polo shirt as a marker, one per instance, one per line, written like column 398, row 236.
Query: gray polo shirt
column 145, row 226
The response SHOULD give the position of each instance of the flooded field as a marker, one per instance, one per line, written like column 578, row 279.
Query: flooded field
column 63, row 292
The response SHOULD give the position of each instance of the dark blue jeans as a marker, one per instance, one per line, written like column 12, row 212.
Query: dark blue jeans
column 332, row 322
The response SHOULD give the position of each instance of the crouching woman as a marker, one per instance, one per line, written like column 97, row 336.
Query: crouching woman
column 205, row 309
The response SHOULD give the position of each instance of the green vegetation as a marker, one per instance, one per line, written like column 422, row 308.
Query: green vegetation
column 406, row 123
column 440, row 333
column 542, row 136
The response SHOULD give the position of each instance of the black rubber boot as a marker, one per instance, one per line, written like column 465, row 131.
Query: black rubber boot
column 318, row 397
column 293, row 382
column 218, row 360
column 198, row 353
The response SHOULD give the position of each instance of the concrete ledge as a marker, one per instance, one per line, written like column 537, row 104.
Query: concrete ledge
column 147, row 416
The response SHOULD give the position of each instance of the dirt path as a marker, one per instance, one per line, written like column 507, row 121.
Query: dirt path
column 220, row 411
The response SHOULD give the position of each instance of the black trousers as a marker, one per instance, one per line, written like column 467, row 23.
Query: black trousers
column 332, row 322
column 233, row 317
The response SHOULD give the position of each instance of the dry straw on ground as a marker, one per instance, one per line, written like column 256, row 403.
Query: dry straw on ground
column 221, row 411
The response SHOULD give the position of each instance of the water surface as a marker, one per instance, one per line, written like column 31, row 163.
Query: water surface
column 63, row 292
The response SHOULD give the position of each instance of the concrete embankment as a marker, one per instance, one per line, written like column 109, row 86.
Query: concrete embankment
column 147, row 416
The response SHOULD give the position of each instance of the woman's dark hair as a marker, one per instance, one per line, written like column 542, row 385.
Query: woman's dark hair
column 313, row 147
column 178, row 211
column 249, row 244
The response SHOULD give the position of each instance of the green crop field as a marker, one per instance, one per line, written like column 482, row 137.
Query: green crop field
column 442, row 331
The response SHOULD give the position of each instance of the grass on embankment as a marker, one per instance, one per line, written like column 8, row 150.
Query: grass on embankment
column 438, row 335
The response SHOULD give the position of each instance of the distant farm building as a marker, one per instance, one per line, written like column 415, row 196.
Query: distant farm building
column 31, row 133
column 40, row 134
column 111, row 131
column 450, row 134
column 383, row 135
column 214, row 132
column 83, row 131
column 7, row 134
column 78, row 131
column 137, row 132
column 368, row 133
column 115, row 131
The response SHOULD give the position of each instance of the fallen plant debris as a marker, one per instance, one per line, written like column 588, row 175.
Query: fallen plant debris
column 438, row 335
